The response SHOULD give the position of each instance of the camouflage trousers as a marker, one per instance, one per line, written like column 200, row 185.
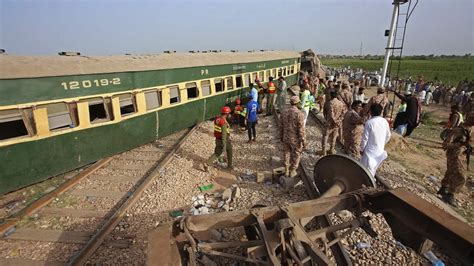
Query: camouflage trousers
column 352, row 145
column 330, row 134
column 292, row 156
column 281, row 99
column 455, row 175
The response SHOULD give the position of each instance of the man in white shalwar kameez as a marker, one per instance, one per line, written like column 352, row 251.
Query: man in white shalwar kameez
column 376, row 135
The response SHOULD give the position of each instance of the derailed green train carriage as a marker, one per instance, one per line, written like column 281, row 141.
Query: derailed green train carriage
column 60, row 113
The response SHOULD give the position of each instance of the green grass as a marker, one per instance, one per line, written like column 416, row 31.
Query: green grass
column 447, row 70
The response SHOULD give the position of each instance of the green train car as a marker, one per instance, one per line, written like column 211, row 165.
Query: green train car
column 58, row 113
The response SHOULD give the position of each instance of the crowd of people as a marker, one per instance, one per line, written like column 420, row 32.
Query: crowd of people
column 361, row 124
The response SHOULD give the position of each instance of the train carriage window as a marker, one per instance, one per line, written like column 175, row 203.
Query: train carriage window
column 247, row 80
column 12, row 124
column 280, row 72
column 261, row 75
column 59, row 117
column 153, row 99
column 254, row 76
column 219, row 83
column 127, row 104
column 274, row 73
column 206, row 87
column 292, row 69
column 192, row 90
column 98, row 112
column 284, row 72
column 268, row 75
column 174, row 94
column 230, row 82
column 239, row 83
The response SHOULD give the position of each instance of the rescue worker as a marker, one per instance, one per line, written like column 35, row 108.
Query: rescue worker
column 281, row 93
column 381, row 99
column 353, row 127
column 293, row 136
column 334, row 117
column 222, row 135
column 271, row 90
column 251, row 118
column 455, row 175
column 305, row 102
column 237, row 113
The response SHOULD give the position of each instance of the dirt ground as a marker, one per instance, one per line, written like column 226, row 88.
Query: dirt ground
column 424, row 159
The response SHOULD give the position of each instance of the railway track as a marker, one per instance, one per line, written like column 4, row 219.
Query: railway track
column 89, row 206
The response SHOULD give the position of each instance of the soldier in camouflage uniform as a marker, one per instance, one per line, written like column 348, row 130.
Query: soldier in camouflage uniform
column 381, row 99
column 468, row 107
column 293, row 136
column 345, row 96
column 455, row 175
column 353, row 127
column 327, row 97
column 335, row 114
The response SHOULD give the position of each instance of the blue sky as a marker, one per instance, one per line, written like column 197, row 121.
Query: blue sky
column 104, row 27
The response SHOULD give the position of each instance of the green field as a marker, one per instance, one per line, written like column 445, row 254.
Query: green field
column 447, row 70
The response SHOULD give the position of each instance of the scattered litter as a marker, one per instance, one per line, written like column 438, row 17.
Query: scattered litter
column 89, row 198
column 176, row 213
column 50, row 189
column 362, row 245
column 10, row 231
column 433, row 179
column 429, row 255
column 399, row 244
column 206, row 187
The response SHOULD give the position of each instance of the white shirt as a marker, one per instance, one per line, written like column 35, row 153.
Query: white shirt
column 376, row 135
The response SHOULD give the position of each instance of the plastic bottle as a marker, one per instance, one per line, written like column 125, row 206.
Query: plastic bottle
column 362, row 245
column 433, row 259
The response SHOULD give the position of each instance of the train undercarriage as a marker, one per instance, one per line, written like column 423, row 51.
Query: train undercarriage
column 286, row 235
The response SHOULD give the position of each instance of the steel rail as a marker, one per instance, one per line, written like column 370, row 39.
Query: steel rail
column 340, row 254
column 82, row 256
column 47, row 198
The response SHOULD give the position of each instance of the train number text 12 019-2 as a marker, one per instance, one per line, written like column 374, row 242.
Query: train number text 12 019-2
column 74, row 85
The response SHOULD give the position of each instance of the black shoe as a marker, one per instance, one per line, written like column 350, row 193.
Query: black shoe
column 442, row 190
column 449, row 198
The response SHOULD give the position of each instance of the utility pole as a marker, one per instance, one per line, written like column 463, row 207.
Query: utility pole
column 390, row 41
column 360, row 50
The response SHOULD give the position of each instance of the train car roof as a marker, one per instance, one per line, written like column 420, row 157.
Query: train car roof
column 13, row 66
